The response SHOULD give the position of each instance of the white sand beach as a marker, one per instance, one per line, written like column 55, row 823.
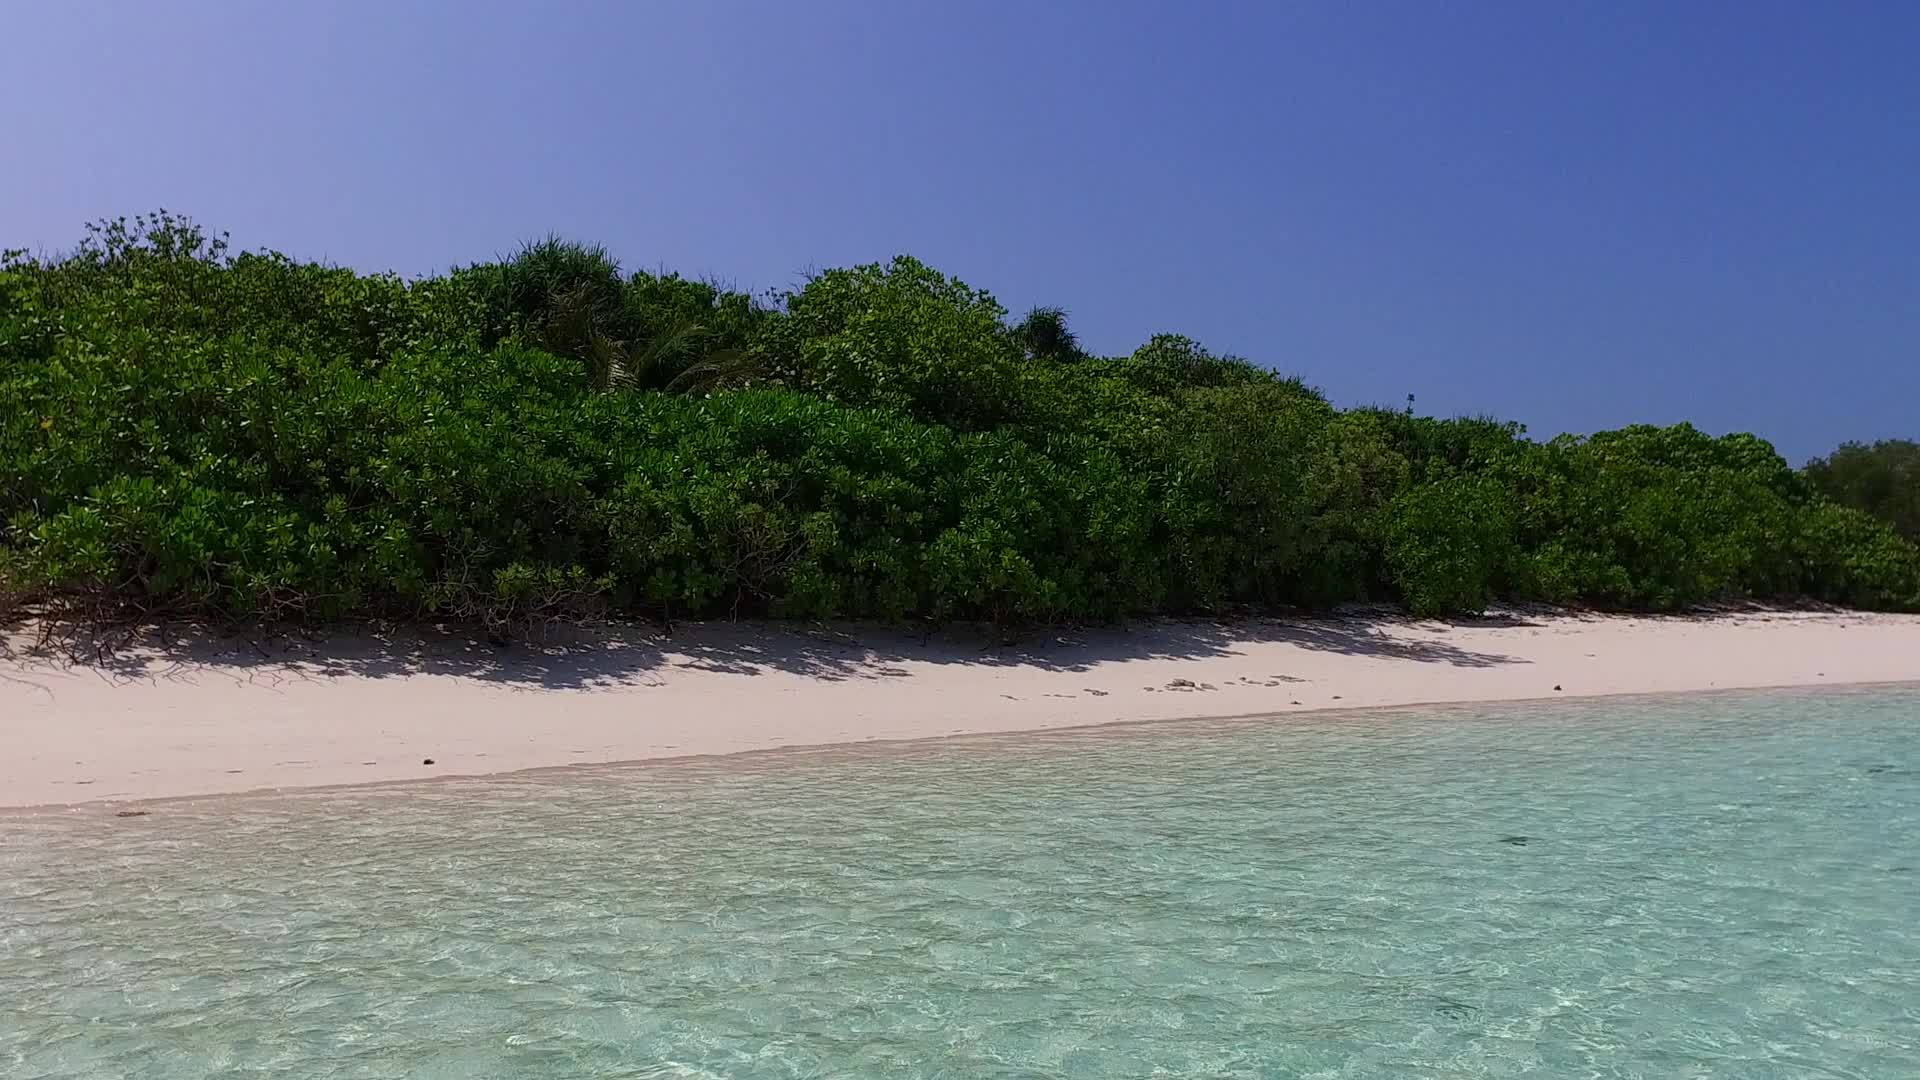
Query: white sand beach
column 232, row 715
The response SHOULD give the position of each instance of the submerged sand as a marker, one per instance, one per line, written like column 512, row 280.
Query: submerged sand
column 225, row 715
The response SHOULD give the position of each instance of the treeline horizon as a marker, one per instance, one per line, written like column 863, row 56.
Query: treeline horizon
column 189, row 432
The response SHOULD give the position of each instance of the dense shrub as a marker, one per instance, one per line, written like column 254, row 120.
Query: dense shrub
column 901, row 337
column 1449, row 543
column 194, row 432
column 1881, row 478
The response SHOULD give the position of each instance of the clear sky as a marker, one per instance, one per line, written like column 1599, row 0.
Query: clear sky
column 1574, row 215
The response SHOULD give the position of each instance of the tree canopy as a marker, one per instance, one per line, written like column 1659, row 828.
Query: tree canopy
column 189, row 431
column 1881, row 478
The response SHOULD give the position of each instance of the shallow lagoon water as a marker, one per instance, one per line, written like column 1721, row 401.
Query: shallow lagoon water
column 1707, row 886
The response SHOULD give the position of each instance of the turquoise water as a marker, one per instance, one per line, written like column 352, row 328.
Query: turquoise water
column 1717, row 886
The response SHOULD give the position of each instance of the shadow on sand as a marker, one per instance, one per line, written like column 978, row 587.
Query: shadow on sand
column 623, row 655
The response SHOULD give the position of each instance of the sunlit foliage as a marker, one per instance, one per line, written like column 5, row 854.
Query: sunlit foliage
column 190, row 431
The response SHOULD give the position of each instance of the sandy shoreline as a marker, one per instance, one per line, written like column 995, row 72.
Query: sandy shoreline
column 228, row 716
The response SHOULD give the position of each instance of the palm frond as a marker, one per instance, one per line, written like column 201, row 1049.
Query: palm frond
column 1044, row 334
column 719, row 370
column 653, row 360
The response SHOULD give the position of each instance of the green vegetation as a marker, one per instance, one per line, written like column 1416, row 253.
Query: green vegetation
column 188, row 431
column 1882, row 479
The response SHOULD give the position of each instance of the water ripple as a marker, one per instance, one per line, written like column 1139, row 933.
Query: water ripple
column 1688, row 887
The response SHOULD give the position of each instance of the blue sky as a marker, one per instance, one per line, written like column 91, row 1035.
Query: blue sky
column 1574, row 215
